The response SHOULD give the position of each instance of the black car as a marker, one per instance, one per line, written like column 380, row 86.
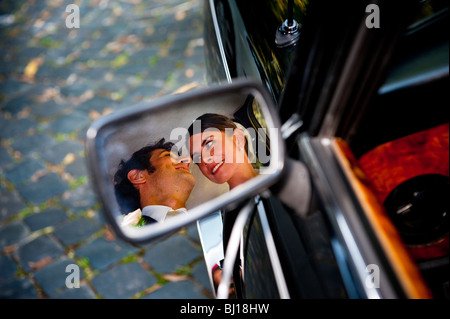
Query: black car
column 378, row 96
column 357, row 204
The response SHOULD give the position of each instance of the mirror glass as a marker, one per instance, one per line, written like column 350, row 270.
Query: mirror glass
column 162, row 164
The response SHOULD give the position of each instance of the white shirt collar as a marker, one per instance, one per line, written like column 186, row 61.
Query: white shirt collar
column 159, row 212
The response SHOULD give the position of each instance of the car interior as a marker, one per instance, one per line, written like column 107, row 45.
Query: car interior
column 399, row 148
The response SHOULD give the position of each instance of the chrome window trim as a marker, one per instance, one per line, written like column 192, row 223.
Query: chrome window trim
column 346, row 242
column 234, row 243
column 272, row 250
column 352, row 255
column 219, row 40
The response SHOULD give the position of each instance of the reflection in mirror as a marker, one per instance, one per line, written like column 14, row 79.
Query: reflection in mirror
column 166, row 160
column 210, row 234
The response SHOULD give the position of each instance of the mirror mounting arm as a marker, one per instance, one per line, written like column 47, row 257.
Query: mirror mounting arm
column 292, row 125
column 294, row 188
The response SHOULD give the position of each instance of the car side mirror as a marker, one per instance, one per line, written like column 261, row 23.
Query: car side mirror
column 113, row 139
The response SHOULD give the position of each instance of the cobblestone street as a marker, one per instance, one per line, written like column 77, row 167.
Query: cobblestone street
column 54, row 81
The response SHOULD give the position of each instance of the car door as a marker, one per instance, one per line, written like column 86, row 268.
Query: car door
column 346, row 70
column 376, row 79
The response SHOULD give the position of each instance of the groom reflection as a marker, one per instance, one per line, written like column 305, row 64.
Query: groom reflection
column 153, row 184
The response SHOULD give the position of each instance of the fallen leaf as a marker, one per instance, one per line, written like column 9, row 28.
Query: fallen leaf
column 189, row 73
column 24, row 113
column 107, row 111
column 186, row 87
column 69, row 159
column 93, row 114
column 180, row 15
column 109, row 235
column 41, row 263
column 175, row 278
column 48, row 94
column 32, row 67
column 114, row 47
column 36, row 176
column 127, row 39
column 10, row 249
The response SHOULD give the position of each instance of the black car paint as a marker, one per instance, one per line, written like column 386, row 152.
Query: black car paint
column 247, row 30
column 309, row 268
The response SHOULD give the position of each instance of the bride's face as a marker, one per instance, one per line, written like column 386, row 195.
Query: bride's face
column 216, row 154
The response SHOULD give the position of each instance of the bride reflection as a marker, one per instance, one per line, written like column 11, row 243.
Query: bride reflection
column 220, row 150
